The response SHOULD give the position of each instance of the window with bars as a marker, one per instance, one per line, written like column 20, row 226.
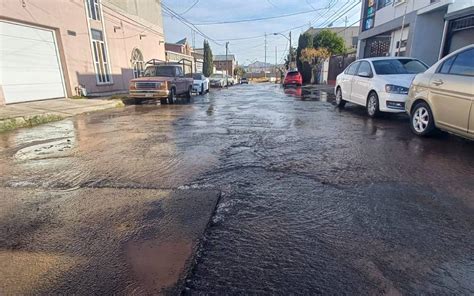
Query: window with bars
column 101, row 60
column 93, row 9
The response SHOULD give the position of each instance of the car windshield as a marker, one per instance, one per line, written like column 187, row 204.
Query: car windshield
column 217, row 76
column 166, row 71
column 292, row 73
column 197, row 76
column 399, row 66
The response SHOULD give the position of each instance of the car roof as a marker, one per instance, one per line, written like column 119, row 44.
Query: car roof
column 470, row 46
column 387, row 58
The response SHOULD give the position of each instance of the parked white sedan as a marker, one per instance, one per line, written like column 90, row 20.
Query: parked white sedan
column 200, row 83
column 379, row 84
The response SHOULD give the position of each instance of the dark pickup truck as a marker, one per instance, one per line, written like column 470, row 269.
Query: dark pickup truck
column 162, row 80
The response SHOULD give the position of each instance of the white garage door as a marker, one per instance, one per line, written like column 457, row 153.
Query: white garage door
column 29, row 64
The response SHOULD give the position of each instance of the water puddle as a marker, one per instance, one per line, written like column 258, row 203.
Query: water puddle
column 157, row 266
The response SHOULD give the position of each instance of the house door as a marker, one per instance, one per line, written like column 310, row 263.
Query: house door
column 30, row 67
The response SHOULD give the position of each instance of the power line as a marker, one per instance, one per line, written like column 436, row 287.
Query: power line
column 330, row 6
column 191, row 7
column 257, row 19
column 341, row 14
column 188, row 24
column 272, row 4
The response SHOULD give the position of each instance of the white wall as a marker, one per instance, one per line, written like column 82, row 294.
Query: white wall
column 396, row 38
column 460, row 4
column 391, row 12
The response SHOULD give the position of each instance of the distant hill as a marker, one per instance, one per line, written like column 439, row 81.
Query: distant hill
column 258, row 64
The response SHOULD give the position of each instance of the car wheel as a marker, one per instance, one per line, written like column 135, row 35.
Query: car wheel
column 189, row 94
column 373, row 105
column 138, row 101
column 172, row 96
column 340, row 102
column 163, row 101
column 422, row 120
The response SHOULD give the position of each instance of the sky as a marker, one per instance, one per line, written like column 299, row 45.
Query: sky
column 317, row 13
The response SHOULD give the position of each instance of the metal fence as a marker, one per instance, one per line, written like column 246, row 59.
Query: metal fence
column 337, row 64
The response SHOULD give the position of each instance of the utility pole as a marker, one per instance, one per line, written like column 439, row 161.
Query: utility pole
column 290, row 53
column 403, row 28
column 276, row 55
column 345, row 26
column 264, row 70
column 226, row 63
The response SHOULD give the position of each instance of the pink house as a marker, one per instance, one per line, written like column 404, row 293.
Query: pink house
column 53, row 48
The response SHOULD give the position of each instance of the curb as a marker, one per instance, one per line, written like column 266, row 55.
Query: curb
column 12, row 123
column 27, row 121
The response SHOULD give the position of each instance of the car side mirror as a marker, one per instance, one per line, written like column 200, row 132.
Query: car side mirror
column 365, row 74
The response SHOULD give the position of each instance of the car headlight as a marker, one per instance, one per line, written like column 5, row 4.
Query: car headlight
column 396, row 89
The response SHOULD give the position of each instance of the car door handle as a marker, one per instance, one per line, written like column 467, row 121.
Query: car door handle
column 438, row 82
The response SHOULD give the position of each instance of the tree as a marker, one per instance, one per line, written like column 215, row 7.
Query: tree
column 239, row 71
column 208, row 65
column 315, row 57
column 304, row 41
column 331, row 41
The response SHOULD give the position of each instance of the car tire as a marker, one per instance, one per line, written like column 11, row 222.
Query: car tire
column 422, row 120
column 163, row 101
column 372, row 106
column 138, row 101
column 340, row 102
column 172, row 96
column 189, row 94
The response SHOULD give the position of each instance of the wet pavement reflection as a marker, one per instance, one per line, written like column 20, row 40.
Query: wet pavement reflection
column 315, row 199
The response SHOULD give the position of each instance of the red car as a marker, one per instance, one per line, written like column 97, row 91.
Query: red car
column 293, row 78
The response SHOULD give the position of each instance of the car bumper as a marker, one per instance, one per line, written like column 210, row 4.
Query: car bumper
column 148, row 94
column 217, row 83
column 392, row 103
column 292, row 82
column 196, row 88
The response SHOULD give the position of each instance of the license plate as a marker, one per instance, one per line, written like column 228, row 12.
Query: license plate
column 148, row 95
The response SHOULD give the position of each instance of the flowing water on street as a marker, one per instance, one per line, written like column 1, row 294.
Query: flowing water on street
column 314, row 199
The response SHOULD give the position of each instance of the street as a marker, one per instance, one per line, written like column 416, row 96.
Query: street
column 311, row 199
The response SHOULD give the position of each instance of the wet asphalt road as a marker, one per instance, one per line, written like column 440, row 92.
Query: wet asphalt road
column 313, row 199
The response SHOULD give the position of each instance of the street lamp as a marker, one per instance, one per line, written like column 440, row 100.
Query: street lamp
column 289, row 39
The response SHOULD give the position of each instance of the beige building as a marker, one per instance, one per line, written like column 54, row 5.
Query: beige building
column 350, row 34
column 53, row 48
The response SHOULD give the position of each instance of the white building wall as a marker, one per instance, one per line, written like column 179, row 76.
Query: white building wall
column 396, row 37
column 394, row 11
column 459, row 5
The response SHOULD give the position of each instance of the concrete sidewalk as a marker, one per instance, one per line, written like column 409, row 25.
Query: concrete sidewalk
column 37, row 112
